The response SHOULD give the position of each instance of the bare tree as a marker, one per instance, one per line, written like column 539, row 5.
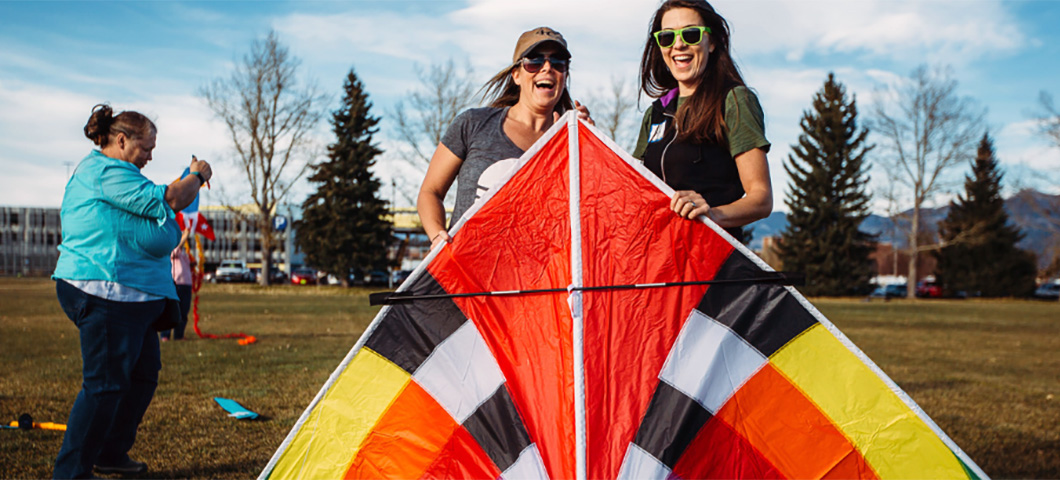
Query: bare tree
column 269, row 119
column 612, row 111
column 445, row 90
column 1048, row 118
column 927, row 129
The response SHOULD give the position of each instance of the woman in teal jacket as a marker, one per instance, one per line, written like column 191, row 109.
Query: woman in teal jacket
column 113, row 281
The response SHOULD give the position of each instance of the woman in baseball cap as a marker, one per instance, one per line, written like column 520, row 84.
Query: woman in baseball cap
column 525, row 99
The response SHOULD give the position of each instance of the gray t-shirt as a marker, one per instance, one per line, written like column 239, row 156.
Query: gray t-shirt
column 477, row 137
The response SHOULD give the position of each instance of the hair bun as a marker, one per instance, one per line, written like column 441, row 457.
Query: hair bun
column 98, row 127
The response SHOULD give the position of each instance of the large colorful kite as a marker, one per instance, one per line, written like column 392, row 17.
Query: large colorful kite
column 556, row 373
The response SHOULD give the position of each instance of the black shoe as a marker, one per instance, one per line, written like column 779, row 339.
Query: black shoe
column 128, row 467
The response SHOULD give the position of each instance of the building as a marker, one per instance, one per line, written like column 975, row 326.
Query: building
column 236, row 237
column 28, row 240
column 411, row 243
column 29, row 237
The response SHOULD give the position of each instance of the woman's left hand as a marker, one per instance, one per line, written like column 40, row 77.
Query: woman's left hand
column 689, row 204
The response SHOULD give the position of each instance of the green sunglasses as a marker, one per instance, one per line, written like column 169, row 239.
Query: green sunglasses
column 689, row 35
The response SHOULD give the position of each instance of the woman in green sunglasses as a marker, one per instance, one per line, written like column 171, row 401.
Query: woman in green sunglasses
column 704, row 135
column 525, row 99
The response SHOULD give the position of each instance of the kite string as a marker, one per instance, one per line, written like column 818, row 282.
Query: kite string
column 198, row 272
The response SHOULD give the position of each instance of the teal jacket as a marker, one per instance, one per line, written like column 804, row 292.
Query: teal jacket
column 117, row 227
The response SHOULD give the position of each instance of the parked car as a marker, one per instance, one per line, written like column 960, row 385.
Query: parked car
column 304, row 276
column 400, row 276
column 277, row 276
column 894, row 290
column 233, row 271
column 1048, row 291
column 377, row 277
column 928, row 288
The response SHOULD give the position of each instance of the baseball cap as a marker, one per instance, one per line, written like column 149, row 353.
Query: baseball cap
column 532, row 38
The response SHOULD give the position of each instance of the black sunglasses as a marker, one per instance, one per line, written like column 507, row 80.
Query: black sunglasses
column 535, row 63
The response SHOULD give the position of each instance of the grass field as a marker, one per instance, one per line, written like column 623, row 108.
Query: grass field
column 987, row 372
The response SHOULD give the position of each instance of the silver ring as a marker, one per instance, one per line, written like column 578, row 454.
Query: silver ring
column 693, row 204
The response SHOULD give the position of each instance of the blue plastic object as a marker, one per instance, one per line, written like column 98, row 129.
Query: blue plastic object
column 234, row 409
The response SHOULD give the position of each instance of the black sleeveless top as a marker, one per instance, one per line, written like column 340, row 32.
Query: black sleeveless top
column 708, row 169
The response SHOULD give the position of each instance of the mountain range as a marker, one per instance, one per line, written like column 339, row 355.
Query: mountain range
column 1037, row 215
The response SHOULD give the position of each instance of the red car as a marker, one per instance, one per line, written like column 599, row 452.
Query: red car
column 928, row 289
column 304, row 276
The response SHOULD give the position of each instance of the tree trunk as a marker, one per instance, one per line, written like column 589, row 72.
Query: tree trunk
column 914, row 252
column 265, row 228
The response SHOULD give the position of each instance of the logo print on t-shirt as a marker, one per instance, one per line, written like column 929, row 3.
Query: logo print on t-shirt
column 493, row 175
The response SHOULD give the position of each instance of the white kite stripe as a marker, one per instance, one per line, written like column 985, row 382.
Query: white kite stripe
column 639, row 465
column 708, row 362
column 528, row 466
column 461, row 373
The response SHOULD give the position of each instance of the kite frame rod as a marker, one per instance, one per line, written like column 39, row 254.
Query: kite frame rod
column 777, row 278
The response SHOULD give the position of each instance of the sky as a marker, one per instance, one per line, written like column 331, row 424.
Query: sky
column 58, row 59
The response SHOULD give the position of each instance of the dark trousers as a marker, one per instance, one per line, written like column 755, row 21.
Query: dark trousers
column 184, row 295
column 120, row 364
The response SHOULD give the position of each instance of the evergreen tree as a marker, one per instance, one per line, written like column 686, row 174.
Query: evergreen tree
column 979, row 253
column 827, row 198
column 344, row 224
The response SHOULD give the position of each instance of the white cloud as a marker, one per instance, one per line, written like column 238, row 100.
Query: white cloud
column 955, row 32
column 43, row 131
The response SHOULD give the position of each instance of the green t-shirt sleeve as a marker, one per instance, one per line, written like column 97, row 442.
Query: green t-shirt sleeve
column 642, row 139
column 746, row 122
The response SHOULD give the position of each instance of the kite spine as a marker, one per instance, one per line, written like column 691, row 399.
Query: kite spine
column 577, row 324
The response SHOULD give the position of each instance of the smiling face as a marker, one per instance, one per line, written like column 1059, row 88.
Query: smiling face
column 541, row 90
column 686, row 62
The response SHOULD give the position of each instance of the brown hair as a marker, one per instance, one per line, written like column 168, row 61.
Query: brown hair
column 103, row 125
column 701, row 118
column 502, row 91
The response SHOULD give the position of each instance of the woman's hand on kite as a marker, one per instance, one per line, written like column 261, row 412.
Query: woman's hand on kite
column 439, row 238
column 583, row 114
column 689, row 204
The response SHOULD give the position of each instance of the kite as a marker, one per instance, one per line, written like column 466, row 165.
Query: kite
column 575, row 328
column 192, row 218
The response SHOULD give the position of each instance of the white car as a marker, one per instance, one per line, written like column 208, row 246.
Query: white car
column 233, row 271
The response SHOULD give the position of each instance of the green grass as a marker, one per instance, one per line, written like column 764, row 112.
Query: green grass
column 985, row 371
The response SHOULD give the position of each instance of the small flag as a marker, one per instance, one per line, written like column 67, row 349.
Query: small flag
column 198, row 223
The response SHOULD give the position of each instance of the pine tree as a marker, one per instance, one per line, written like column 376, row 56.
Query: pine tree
column 344, row 224
column 827, row 198
column 979, row 253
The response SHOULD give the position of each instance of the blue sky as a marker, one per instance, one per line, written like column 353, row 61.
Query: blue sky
column 58, row 59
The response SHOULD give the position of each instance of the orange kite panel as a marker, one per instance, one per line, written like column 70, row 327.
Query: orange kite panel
column 462, row 458
column 415, row 425
column 790, row 431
